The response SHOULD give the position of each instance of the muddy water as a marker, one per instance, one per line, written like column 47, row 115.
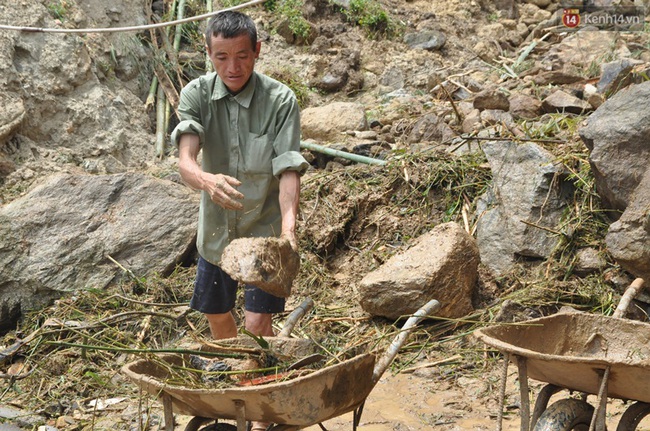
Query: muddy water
column 417, row 403
column 407, row 402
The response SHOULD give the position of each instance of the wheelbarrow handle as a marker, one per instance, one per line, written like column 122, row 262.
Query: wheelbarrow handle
column 295, row 316
column 630, row 293
column 390, row 353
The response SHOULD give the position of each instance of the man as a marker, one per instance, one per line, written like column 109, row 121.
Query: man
column 248, row 126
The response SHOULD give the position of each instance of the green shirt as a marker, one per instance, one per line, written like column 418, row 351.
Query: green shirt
column 253, row 136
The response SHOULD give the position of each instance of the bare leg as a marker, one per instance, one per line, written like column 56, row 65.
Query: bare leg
column 259, row 324
column 222, row 325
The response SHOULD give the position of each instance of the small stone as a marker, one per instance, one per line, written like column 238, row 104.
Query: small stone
column 561, row 101
column 589, row 261
column 431, row 40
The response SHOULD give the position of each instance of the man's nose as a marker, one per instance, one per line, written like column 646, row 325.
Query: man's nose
column 234, row 65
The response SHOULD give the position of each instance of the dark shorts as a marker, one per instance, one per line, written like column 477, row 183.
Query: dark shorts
column 216, row 293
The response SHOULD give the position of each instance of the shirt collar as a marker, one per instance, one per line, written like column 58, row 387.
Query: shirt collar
column 244, row 97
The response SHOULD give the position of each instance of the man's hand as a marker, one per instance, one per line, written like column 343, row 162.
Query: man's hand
column 291, row 237
column 221, row 189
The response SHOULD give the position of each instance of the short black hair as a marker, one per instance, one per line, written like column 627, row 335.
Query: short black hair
column 231, row 24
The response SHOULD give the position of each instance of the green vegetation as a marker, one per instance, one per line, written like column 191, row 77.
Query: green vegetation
column 292, row 11
column 372, row 17
column 585, row 222
column 552, row 125
column 59, row 9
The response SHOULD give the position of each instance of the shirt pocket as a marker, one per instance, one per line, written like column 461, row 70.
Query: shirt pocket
column 257, row 154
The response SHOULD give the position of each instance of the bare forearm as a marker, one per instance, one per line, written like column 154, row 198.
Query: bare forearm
column 188, row 166
column 289, row 200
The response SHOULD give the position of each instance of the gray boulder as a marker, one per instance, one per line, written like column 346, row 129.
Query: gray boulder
column 441, row 264
column 58, row 238
column 628, row 239
column 525, row 203
column 617, row 135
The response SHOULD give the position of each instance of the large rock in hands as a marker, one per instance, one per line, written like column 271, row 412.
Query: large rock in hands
column 268, row 263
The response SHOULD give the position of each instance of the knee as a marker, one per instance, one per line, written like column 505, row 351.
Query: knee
column 259, row 324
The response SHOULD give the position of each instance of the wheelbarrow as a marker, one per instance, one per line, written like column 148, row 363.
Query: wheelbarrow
column 581, row 352
column 290, row 405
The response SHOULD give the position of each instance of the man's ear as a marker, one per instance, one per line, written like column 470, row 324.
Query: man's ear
column 258, row 48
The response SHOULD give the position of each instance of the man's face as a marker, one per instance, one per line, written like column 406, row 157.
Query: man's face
column 233, row 59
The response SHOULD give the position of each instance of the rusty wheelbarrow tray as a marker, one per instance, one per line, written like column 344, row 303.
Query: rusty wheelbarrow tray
column 587, row 353
column 290, row 405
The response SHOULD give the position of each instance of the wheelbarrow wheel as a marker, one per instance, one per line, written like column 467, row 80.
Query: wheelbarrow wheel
column 197, row 422
column 566, row 415
column 633, row 416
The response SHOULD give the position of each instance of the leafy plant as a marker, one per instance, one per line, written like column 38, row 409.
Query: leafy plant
column 58, row 9
column 292, row 10
column 370, row 15
column 289, row 9
column 258, row 338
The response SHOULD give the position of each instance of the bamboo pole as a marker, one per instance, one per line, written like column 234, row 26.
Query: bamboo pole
column 151, row 97
column 168, row 108
column 178, row 33
column 337, row 153
column 116, row 349
column 179, row 28
column 208, row 63
column 160, row 123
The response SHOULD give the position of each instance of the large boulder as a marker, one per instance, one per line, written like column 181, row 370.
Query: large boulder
column 617, row 135
column 517, row 216
column 330, row 122
column 442, row 264
column 580, row 49
column 62, row 235
column 628, row 239
column 74, row 99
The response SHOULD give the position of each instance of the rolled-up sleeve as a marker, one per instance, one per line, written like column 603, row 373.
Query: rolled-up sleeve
column 189, row 109
column 289, row 161
column 188, row 126
column 287, row 139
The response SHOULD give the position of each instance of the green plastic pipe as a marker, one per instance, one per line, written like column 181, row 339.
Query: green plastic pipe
column 337, row 153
